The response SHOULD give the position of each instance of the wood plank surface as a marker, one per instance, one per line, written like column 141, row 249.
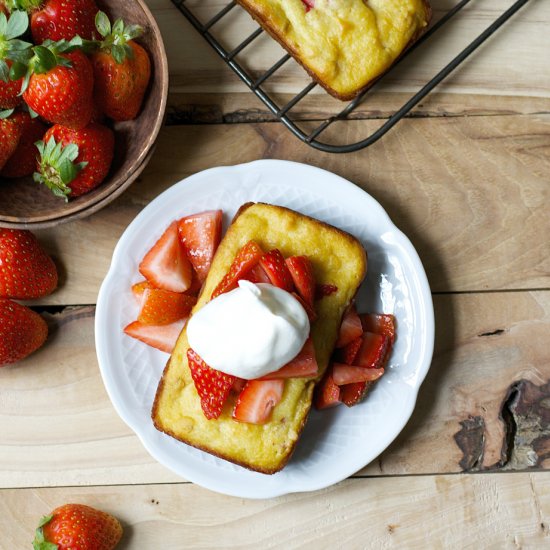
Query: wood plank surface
column 491, row 511
column 481, row 406
column 463, row 189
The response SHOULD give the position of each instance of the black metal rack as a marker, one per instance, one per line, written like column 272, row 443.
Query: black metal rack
column 282, row 112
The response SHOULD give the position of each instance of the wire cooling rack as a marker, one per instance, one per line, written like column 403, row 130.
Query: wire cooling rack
column 283, row 111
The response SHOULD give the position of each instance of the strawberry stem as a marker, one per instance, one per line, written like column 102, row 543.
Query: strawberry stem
column 57, row 166
column 116, row 36
column 12, row 49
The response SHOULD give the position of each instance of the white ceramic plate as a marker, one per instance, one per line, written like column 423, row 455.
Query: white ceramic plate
column 335, row 443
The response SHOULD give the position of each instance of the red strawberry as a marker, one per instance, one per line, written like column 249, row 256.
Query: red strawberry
column 162, row 307
column 350, row 329
column 60, row 87
column 372, row 352
column 310, row 310
column 352, row 394
column 11, row 129
column 238, row 385
column 324, row 290
column 200, row 235
column 379, row 323
column 122, row 69
column 23, row 160
column 22, row 331
column 196, row 285
column 163, row 337
column 327, row 393
column 348, row 353
column 309, row 4
column 76, row 526
column 26, row 271
column 257, row 275
column 138, row 289
column 212, row 385
column 274, row 265
column 346, row 374
column 73, row 162
column 62, row 19
column 257, row 400
column 302, row 275
column 166, row 265
column 247, row 257
column 14, row 54
column 304, row 365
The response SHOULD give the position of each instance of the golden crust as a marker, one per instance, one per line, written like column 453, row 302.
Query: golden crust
column 337, row 258
column 358, row 51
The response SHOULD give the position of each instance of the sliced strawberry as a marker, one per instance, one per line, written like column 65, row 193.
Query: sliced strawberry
column 238, row 385
column 324, row 290
column 309, row 4
column 162, row 307
column 372, row 352
column 310, row 310
column 247, row 257
column 139, row 288
column 161, row 337
column 327, row 393
column 200, row 235
column 257, row 275
column 350, row 329
column 351, row 394
column 345, row 374
column 302, row 275
column 166, row 265
column 379, row 323
column 196, row 286
column 348, row 353
column 212, row 385
column 302, row 366
column 275, row 266
column 257, row 400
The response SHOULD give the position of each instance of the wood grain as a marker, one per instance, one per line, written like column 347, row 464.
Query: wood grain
column 491, row 511
column 55, row 410
column 470, row 192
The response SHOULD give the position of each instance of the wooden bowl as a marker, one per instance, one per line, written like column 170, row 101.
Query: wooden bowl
column 27, row 205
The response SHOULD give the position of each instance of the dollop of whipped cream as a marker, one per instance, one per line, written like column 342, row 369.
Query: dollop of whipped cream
column 249, row 332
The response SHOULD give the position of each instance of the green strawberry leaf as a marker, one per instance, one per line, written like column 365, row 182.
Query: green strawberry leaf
column 133, row 31
column 39, row 542
column 32, row 113
column 118, row 53
column 45, row 59
column 17, row 71
column 18, row 24
column 4, row 71
column 3, row 25
column 102, row 23
column 6, row 113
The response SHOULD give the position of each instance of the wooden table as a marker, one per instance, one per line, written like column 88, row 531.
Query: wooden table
column 467, row 179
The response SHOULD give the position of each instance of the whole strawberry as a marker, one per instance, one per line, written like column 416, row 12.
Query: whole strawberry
column 14, row 54
column 22, row 331
column 60, row 86
column 23, row 160
column 11, row 129
column 26, row 271
column 73, row 162
column 63, row 19
column 122, row 69
column 77, row 527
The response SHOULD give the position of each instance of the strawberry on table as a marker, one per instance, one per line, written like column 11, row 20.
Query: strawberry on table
column 247, row 257
column 275, row 266
column 166, row 265
column 23, row 160
column 122, row 69
column 162, row 307
column 302, row 366
column 73, row 162
column 212, row 386
column 350, row 328
column 59, row 86
column 200, row 235
column 76, row 526
column 22, row 331
column 162, row 337
column 257, row 400
column 14, row 54
column 26, row 271
column 61, row 19
column 302, row 274
column 11, row 129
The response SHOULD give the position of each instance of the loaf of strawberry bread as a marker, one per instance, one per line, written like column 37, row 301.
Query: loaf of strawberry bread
column 345, row 45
